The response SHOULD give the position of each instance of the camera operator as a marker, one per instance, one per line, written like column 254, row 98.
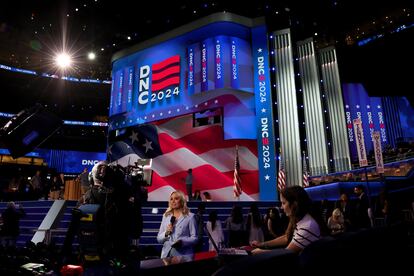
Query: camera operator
column 97, row 194
column 119, row 194
column 138, row 194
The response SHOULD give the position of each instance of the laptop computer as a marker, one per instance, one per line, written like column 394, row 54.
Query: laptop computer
column 226, row 251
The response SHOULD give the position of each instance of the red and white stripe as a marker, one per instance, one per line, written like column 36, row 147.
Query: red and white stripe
column 281, row 179
column 305, row 182
column 205, row 151
column 281, row 175
column 237, row 189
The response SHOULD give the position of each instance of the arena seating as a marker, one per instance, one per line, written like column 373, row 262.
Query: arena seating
column 35, row 213
column 152, row 221
column 371, row 250
column 37, row 210
column 374, row 250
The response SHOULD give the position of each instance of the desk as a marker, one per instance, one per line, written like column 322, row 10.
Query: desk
column 203, row 263
column 200, row 264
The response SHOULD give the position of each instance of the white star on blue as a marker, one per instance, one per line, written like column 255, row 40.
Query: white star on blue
column 134, row 137
column 147, row 145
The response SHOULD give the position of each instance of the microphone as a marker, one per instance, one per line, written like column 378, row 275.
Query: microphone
column 172, row 220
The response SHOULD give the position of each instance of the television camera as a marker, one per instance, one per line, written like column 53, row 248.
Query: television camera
column 108, row 219
column 132, row 175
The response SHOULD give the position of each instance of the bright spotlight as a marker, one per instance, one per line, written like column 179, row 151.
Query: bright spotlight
column 63, row 60
column 91, row 56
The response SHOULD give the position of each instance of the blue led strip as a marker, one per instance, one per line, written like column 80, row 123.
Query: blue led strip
column 218, row 62
column 74, row 123
column 204, row 66
column 82, row 123
column 264, row 115
column 190, row 67
column 130, row 87
column 53, row 76
column 234, row 63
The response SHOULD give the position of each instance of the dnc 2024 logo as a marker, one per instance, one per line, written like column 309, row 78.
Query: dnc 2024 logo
column 165, row 80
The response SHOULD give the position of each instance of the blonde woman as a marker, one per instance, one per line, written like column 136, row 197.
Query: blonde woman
column 336, row 222
column 178, row 230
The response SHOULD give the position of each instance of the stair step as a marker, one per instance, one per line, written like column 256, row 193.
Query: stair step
column 37, row 210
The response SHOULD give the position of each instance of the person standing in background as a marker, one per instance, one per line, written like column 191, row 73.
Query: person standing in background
column 362, row 205
column 198, row 217
column 207, row 196
column 273, row 224
column 37, row 184
column 254, row 224
column 83, row 178
column 216, row 231
column 55, row 187
column 347, row 210
column 61, row 185
column 189, row 184
column 235, row 227
column 11, row 228
column 197, row 195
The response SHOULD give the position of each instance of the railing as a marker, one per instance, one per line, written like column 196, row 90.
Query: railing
column 43, row 233
column 400, row 168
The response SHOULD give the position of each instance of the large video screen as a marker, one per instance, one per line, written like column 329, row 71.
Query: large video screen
column 176, row 77
column 192, row 99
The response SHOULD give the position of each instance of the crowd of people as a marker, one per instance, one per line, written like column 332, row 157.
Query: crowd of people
column 38, row 186
column 294, row 225
column 42, row 185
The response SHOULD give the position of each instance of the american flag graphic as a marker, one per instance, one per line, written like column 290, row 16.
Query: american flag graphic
column 305, row 171
column 237, row 189
column 281, row 176
column 166, row 73
column 176, row 145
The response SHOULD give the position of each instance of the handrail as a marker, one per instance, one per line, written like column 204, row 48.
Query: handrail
column 52, row 217
column 401, row 168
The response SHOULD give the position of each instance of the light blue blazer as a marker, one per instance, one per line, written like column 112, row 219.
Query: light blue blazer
column 185, row 229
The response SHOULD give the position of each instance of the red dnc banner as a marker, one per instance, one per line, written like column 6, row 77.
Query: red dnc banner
column 376, row 140
column 360, row 143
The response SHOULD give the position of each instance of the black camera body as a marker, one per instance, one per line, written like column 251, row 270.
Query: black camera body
column 115, row 175
column 118, row 194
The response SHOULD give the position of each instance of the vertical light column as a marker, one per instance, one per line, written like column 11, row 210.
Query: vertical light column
column 312, row 104
column 287, row 106
column 333, row 93
column 392, row 120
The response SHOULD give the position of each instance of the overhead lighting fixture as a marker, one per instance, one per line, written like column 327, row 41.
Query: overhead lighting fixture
column 63, row 60
column 91, row 56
